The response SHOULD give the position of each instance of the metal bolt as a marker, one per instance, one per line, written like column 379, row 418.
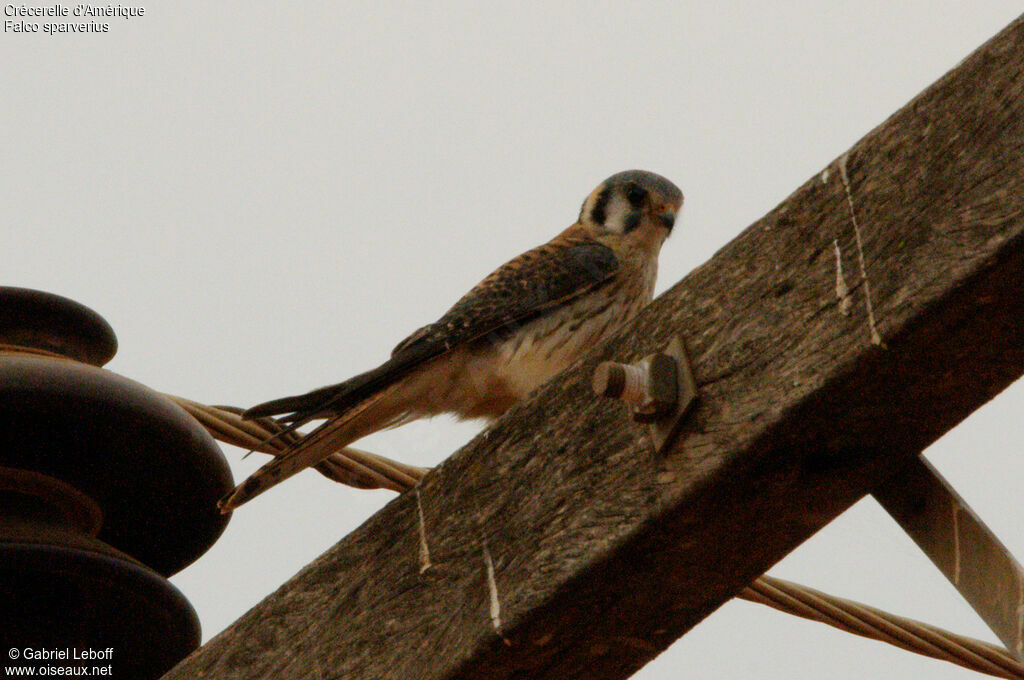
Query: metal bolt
column 649, row 386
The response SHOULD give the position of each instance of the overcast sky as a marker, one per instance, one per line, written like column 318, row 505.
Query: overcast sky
column 262, row 202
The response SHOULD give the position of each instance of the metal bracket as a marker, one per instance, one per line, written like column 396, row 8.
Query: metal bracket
column 660, row 388
column 961, row 546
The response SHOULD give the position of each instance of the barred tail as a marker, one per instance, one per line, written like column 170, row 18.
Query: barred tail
column 372, row 414
column 332, row 400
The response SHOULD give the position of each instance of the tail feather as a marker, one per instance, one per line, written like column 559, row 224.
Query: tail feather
column 313, row 448
column 370, row 415
column 354, row 409
column 333, row 400
column 292, row 407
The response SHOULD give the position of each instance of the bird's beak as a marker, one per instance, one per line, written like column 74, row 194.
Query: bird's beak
column 668, row 219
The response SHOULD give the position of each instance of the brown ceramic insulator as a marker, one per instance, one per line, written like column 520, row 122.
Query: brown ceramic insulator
column 155, row 472
column 106, row 487
column 64, row 589
column 43, row 498
column 52, row 323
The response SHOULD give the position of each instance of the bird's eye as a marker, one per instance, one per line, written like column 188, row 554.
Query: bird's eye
column 635, row 195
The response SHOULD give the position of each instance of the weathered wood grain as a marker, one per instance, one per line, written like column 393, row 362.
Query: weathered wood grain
column 602, row 554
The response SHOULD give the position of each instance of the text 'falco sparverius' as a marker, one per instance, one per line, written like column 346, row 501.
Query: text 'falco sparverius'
column 515, row 330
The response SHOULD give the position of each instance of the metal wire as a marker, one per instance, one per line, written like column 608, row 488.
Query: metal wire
column 363, row 469
column 867, row 621
column 350, row 466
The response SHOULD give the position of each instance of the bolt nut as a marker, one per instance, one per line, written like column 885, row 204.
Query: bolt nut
column 649, row 386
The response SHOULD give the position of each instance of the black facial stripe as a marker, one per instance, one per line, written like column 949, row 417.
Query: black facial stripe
column 599, row 213
column 635, row 195
column 632, row 222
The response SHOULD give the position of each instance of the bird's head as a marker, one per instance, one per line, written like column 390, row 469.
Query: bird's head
column 635, row 203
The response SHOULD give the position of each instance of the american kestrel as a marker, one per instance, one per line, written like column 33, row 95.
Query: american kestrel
column 515, row 330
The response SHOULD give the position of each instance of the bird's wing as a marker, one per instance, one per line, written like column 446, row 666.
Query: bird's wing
column 531, row 285
column 525, row 288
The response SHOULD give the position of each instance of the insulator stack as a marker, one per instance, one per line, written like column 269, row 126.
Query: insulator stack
column 106, row 489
